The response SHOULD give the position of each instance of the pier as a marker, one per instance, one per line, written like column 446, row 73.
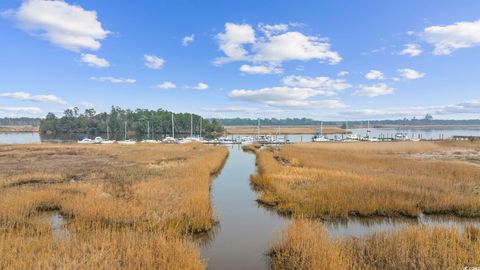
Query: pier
column 466, row 138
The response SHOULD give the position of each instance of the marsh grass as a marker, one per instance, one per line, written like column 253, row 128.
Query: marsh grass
column 305, row 245
column 253, row 148
column 126, row 206
column 366, row 179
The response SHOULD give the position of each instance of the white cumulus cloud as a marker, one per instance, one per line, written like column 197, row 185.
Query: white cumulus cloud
column 232, row 42
column 342, row 73
column 411, row 50
column 297, row 92
column 153, row 62
column 323, row 83
column 261, row 69
column 24, row 96
column 166, row 85
column 284, row 96
column 94, row 61
column 294, row 46
column 238, row 109
column 201, row 86
column 410, row 74
column 67, row 26
column 113, row 79
column 275, row 46
column 269, row 29
column 374, row 90
column 375, row 75
column 186, row 40
column 449, row 38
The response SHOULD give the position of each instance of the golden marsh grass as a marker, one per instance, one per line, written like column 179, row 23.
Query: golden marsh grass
column 305, row 245
column 367, row 179
column 126, row 206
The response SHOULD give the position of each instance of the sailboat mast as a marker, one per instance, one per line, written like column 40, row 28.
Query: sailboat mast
column 173, row 129
column 258, row 128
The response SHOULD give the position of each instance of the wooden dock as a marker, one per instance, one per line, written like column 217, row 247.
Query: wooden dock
column 466, row 138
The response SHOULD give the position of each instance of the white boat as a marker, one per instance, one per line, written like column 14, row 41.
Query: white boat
column 352, row 137
column 247, row 140
column 86, row 141
column 169, row 140
column 225, row 140
column 401, row 137
column 148, row 135
column 190, row 139
column 185, row 140
column 320, row 138
column 107, row 141
column 97, row 140
column 127, row 142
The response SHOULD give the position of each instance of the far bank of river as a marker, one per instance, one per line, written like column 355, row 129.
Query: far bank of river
column 424, row 133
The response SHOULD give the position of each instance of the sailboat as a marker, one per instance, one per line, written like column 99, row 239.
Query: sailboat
column 319, row 137
column 125, row 141
column 148, row 140
column 107, row 141
column 191, row 138
column 350, row 137
column 171, row 139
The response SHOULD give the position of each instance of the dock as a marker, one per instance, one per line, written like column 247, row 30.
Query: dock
column 466, row 138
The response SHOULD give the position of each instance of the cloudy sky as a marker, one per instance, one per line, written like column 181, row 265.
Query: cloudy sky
column 335, row 59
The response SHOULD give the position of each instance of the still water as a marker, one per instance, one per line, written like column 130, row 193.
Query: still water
column 246, row 230
column 430, row 133
column 19, row 138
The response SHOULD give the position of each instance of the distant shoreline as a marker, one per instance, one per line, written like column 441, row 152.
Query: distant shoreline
column 245, row 130
column 14, row 129
column 428, row 126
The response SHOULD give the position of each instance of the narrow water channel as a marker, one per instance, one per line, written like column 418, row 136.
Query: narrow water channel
column 245, row 230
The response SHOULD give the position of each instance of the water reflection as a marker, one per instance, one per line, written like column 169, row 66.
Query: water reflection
column 59, row 231
column 245, row 230
column 19, row 138
column 359, row 227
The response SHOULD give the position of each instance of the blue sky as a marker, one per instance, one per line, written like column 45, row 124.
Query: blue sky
column 317, row 59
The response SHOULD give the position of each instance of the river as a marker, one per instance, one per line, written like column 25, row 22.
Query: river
column 245, row 230
column 424, row 133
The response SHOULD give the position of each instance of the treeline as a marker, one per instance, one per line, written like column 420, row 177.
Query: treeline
column 160, row 122
column 21, row 121
column 426, row 121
